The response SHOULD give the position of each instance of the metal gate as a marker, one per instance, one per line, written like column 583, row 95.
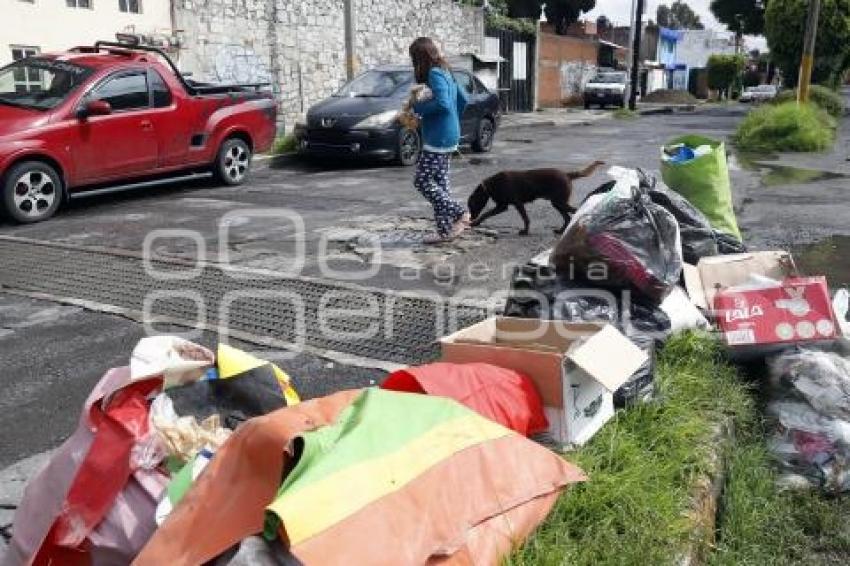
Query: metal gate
column 517, row 72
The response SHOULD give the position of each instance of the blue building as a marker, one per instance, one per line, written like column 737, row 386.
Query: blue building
column 676, row 71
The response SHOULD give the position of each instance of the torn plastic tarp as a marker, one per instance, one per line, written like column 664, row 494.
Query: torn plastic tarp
column 502, row 395
column 473, row 504
column 119, row 533
column 95, row 499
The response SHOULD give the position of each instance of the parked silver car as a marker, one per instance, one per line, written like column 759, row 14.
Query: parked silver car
column 761, row 93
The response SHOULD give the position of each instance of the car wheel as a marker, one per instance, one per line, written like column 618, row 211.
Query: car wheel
column 233, row 161
column 32, row 192
column 409, row 147
column 486, row 133
column 587, row 105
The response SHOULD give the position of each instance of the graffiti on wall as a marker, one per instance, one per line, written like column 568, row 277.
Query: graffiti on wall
column 237, row 64
column 574, row 75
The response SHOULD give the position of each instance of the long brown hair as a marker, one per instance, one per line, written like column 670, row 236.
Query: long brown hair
column 425, row 56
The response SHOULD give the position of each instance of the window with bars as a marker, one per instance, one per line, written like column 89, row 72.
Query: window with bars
column 28, row 79
column 131, row 6
column 79, row 4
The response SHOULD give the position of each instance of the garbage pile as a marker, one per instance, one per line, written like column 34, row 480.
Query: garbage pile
column 655, row 257
column 191, row 457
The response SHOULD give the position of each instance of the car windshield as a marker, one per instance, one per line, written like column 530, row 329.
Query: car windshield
column 765, row 88
column 376, row 84
column 41, row 84
column 610, row 78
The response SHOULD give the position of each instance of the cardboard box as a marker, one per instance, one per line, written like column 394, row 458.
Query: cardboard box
column 755, row 317
column 576, row 367
column 715, row 273
column 798, row 311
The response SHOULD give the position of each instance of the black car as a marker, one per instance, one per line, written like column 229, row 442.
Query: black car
column 360, row 119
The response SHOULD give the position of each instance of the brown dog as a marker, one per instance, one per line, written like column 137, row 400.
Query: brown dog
column 518, row 188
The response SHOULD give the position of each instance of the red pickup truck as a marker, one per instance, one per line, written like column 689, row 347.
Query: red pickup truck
column 113, row 114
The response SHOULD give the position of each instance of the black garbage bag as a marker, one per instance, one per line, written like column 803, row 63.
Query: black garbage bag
column 641, row 386
column 623, row 241
column 729, row 244
column 539, row 292
column 253, row 390
column 699, row 239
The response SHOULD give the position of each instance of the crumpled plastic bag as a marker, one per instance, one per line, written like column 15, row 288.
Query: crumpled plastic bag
column 810, row 406
column 623, row 240
column 821, row 378
column 178, row 361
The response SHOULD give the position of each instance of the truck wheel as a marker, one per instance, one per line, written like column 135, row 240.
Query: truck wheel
column 233, row 162
column 32, row 192
column 486, row 132
column 409, row 147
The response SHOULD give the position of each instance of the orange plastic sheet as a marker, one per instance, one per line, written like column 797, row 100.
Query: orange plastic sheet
column 470, row 507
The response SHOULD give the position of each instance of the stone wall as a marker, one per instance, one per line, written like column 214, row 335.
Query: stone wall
column 299, row 45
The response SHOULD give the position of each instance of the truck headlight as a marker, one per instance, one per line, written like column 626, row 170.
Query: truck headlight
column 382, row 120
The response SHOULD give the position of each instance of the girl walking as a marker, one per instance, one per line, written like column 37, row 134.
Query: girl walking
column 440, row 119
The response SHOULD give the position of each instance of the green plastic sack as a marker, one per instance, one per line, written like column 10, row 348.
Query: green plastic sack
column 704, row 181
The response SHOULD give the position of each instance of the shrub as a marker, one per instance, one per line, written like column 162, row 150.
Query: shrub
column 286, row 144
column 723, row 71
column 786, row 127
column 824, row 97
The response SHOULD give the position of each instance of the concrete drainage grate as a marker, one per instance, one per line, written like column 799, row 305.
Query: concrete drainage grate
column 362, row 322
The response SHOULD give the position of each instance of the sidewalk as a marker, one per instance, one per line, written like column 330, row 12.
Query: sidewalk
column 553, row 117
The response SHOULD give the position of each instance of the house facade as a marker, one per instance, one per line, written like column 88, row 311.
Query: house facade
column 39, row 26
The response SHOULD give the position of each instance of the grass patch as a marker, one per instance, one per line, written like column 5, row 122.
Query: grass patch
column 286, row 144
column 822, row 96
column 760, row 525
column 625, row 114
column 786, row 127
column 643, row 467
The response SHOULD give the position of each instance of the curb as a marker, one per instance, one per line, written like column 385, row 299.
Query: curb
column 705, row 511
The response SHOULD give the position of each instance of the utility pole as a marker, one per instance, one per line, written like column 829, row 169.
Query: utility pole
column 636, row 55
column 808, row 52
column 350, row 34
column 631, row 44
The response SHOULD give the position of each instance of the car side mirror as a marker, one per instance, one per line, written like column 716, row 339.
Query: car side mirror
column 94, row 108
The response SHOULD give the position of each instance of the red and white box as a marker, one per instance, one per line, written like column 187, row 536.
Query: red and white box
column 795, row 310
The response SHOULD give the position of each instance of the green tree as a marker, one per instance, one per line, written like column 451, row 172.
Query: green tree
column 723, row 72
column 677, row 16
column 603, row 25
column 744, row 17
column 560, row 13
column 784, row 27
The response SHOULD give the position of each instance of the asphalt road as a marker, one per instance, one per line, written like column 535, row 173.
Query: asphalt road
column 52, row 354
